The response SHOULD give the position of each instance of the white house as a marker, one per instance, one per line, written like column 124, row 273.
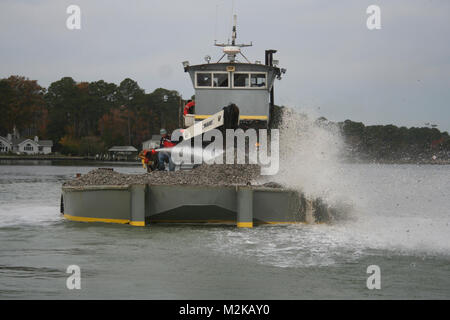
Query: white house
column 26, row 146
column 35, row 146
column 13, row 143
column 45, row 146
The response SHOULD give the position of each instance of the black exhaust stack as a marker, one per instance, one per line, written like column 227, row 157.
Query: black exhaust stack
column 269, row 62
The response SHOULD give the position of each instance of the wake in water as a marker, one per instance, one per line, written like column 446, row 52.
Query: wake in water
column 379, row 209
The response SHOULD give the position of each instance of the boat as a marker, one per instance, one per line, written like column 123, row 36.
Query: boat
column 238, row 81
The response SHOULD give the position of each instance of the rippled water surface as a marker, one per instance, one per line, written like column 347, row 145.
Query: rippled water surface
column 400, row 222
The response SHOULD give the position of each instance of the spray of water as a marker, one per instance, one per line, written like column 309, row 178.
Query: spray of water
column 310, row 158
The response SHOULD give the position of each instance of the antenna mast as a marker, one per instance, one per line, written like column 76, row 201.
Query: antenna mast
column 232, row 49
column 233, row 33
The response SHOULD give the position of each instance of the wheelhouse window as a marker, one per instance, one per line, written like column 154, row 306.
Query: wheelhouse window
column 204, row 79
column 220, row 80
column 212, row 80
column 240, row 80
column 258, row 80
column 249, row 80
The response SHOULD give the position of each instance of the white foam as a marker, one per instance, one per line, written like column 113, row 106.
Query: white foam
column 23, row 214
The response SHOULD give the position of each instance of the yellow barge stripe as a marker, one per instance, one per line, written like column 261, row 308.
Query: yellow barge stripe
column 142, row 223
column 204, row 116
column 245, row 224
column 192, row 221
column 137, row 223
column 89, row 219
column 281, row 222
column 226, row 221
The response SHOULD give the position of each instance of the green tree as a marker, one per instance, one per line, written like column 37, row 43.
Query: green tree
column 130, row 97
column 63, row 102
column 22, row 105
column 6, row 97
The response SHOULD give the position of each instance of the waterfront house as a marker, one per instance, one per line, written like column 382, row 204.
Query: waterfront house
column 14, row 143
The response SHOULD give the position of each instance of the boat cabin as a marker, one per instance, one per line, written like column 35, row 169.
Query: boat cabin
column 248, row 85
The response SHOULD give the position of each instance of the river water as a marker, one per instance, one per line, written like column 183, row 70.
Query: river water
column 400, row 223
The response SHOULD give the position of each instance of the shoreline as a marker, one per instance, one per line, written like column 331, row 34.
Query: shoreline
column 46, row 157
column 68, row 159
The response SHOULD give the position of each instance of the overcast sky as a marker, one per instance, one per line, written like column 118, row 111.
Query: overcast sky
column 335, row 65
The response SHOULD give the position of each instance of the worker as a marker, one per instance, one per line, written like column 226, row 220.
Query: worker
column 189, row 107
column 148, row 159
column 143, row 156
column 165, row 155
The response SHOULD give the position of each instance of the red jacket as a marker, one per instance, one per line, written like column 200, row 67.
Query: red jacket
column 166, row 143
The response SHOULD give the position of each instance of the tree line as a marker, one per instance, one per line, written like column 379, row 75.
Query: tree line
column 395, row 144
column 86, row 118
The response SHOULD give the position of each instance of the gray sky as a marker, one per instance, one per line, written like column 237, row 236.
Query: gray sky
column 335, row 65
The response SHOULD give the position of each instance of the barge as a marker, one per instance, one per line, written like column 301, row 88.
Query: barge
column 141, row 205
